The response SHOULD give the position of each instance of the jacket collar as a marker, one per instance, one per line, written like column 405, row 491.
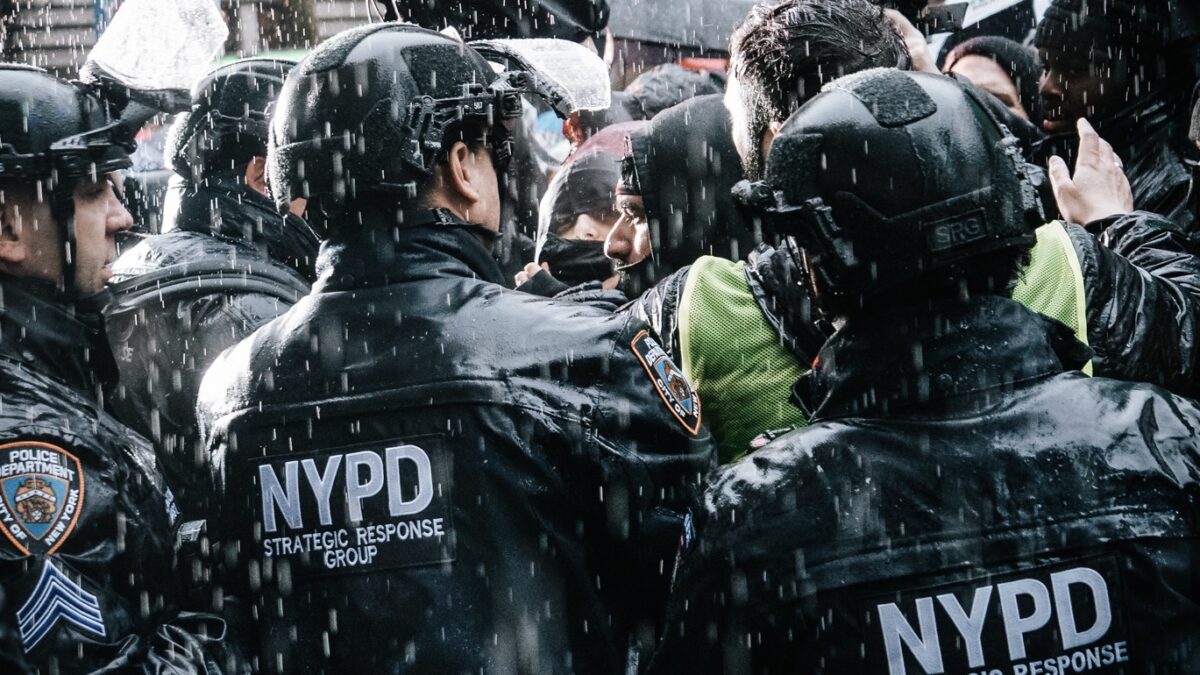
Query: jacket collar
column 41, row 331
column 224, row 207
column 886, row 362
column 431, row 243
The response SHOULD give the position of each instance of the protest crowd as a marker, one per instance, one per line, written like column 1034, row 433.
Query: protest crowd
column 474, row 339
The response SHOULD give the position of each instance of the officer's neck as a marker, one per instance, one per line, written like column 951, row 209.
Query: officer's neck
column 469, row 212
column 375, row 245
column 386, row 215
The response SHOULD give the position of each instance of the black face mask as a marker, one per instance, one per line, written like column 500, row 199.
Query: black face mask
column 576, row 261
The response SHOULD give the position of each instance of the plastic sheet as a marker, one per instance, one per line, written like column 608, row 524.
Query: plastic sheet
column 154, row 45
column 571, row 76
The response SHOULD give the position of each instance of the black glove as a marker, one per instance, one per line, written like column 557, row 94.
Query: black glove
column 544, row 284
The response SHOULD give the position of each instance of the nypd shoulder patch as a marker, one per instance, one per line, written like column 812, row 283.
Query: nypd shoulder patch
column 57, row 599
column 679, row 395
column 41, row 495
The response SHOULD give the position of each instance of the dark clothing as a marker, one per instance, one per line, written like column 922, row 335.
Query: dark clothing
column 1151, row 138
column 85, row 560
column 533, row 474
column 937, row 475
column 164, row 342
column 666, row 86
column 1141, row 280
column 685, row 165
column 1154, row 159
column 659, row 308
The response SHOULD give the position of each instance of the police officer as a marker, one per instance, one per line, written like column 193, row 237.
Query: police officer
column 1126, row 281
column 228, row 263
column 963, row 501
column 418, row 469
column 85, row 553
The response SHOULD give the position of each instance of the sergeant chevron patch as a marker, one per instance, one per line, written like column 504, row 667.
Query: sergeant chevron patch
column 679, row 395
column 57, row 598
column 41, row 495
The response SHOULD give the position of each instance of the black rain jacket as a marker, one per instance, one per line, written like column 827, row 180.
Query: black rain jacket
column 420, row 471
column 1141, row 279
column 952, row 509
column 227, row 264
column 88, row 521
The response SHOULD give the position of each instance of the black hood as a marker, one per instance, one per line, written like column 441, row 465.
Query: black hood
column 224, row 207
column 686, row 165
column 1019, row 63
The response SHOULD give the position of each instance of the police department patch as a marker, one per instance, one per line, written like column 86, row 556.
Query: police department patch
column 681, row 399
column 41, row 495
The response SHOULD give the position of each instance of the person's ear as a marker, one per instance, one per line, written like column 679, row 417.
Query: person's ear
column 256, row 175
column 463, row 174
column 769, row 138
column 13, row 250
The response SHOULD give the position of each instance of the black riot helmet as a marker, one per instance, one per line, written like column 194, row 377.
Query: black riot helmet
column 365, row 115
column 52, row 134
column 890, row 178
column 228, row 121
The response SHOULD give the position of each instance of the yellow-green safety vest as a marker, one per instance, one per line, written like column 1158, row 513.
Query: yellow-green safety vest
column 743, row 373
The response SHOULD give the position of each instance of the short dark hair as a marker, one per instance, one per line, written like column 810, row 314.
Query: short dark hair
column 786, row 50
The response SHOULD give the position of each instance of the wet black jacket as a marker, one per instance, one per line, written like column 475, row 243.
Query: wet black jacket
column 1141, row 280
column 227, row 264
column 88, row 522
column 1155, row 161
column 515, row 476
column 953, row 509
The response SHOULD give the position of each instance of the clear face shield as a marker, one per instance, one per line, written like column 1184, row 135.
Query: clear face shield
column 568, row 76
column 154, row 51
column 144, row 63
